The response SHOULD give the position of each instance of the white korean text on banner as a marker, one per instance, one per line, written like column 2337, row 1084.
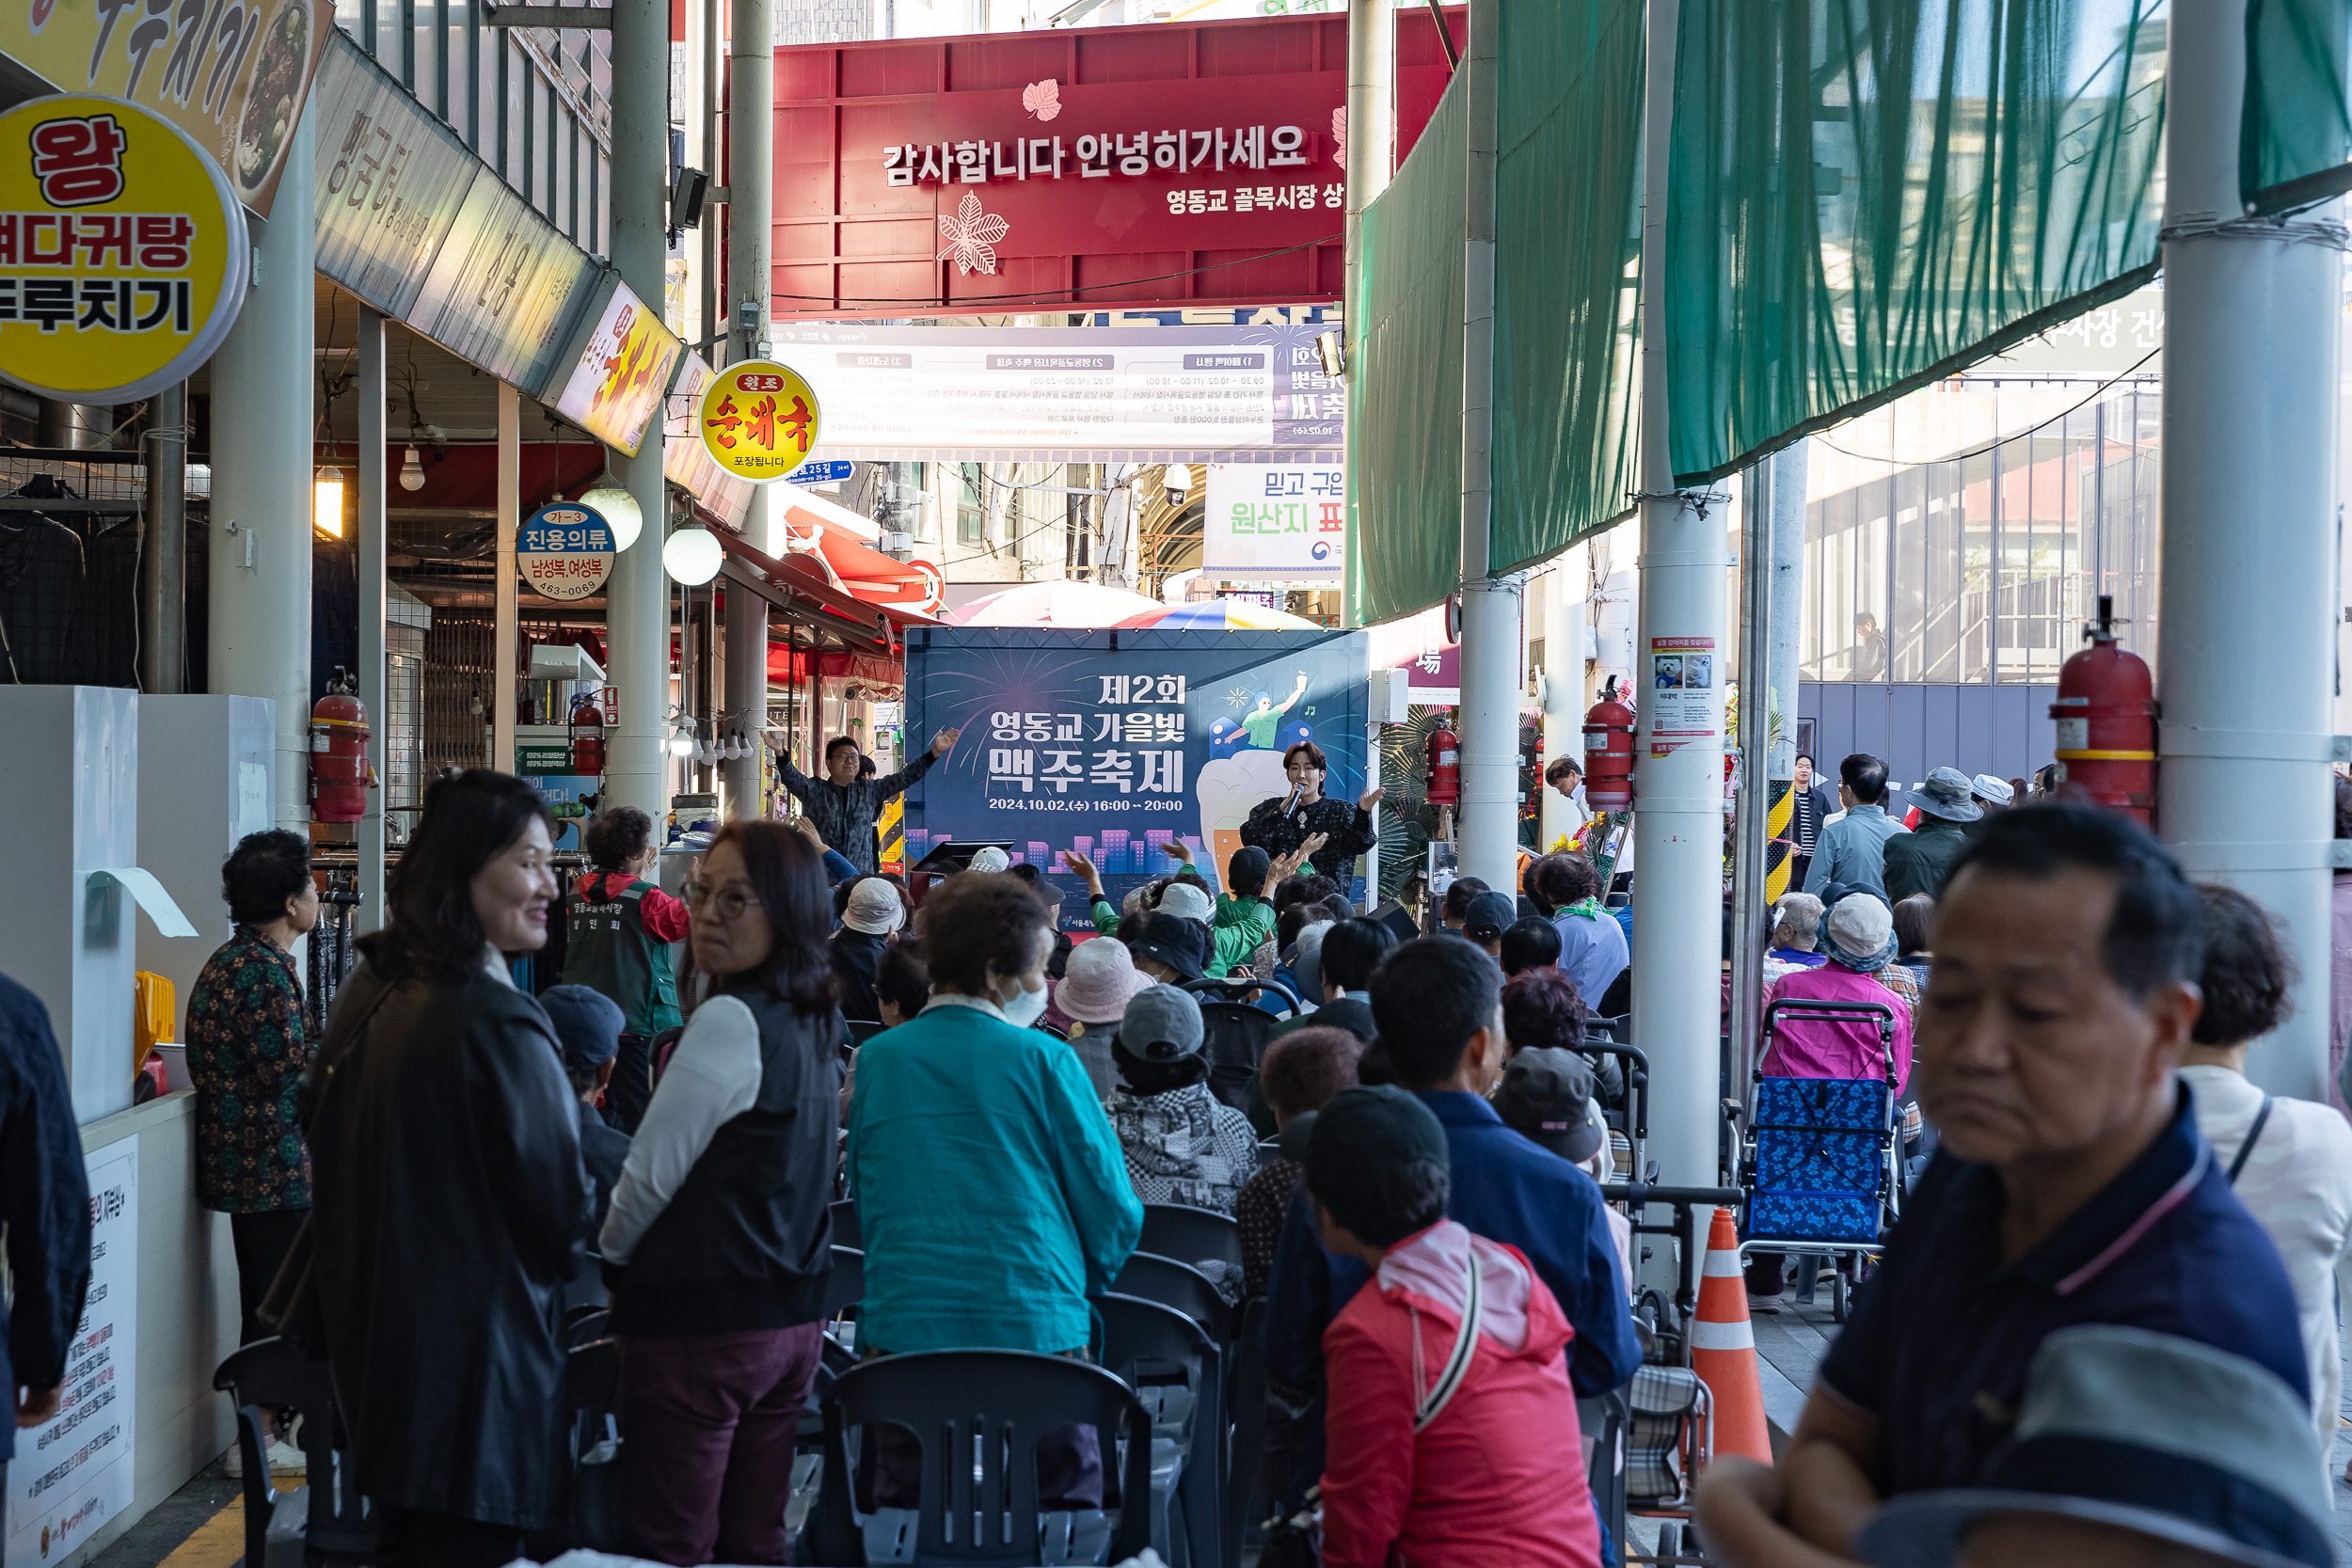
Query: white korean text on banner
column 74, row 1473
column 1274, row 520
column 1074, row 394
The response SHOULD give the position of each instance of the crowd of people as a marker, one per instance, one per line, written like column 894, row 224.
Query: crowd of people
column 2107, row 1213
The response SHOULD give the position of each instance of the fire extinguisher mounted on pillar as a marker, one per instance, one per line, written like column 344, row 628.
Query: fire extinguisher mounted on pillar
column 1443, row 781
column 587, row 736
column 1609, row 753
column 2107, row 723
column 339, row 776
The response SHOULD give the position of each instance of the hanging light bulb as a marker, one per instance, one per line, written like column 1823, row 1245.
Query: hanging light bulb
column 681, row 744
column 693, row 555
column 327, row 502
column 412, row 471
column 702, row 752
column 619, row 508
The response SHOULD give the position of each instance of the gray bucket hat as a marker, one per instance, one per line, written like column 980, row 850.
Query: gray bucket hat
column 1950, row 794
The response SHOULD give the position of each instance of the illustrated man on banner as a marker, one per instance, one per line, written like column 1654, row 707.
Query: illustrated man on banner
column 1262, row 725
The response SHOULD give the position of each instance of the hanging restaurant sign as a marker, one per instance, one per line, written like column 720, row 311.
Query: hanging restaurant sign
column 616, row 383
column 565, row 551
column 390, row 179
column 758, row 419
column 123, row 252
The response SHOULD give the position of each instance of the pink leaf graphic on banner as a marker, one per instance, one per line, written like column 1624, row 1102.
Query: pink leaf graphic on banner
column 1043, row 99
column 1338, row 135
column 972, row 235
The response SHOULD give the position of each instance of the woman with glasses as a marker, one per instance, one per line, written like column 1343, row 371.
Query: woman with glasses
column 1283, row 825
column 719, row 1241
column 449, row 1202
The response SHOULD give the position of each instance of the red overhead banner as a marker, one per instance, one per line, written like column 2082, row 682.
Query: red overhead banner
column 1144, row 167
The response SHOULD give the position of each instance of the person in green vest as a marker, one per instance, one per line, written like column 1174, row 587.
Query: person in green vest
column 618, row 928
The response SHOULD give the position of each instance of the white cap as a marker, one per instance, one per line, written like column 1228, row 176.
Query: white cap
column 874, row 908
column 989, row 858
column 1861, row 924
column 1189, row 899
column 1986, row 787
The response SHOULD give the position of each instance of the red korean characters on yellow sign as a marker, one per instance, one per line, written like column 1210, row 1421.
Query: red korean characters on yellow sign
column 122, row 251
column 758, row 420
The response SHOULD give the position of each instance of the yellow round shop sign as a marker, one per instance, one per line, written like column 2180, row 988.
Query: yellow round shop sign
column 758, row 419
column 123, row 252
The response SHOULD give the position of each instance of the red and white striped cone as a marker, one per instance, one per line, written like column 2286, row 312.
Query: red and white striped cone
column 1723, row 1347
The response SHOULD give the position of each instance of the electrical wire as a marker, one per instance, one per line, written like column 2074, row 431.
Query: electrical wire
column 2089, row 398
column 1049, row 297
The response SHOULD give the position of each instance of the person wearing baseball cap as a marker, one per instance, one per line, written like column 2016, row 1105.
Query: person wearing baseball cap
column 873, row 914
column 1460, row 1462
column 1547, row 1098
column 588, row 1027
column 1919, row 861
column 1170, row 946
column 987, row 860
column 1096, row 986
column 1489, row 916
column 1993, row 794
column 1183, row 1143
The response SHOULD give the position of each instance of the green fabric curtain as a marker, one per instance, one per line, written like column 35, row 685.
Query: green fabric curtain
column 1870, row 194
column 1405, row 380
column 1567, row 251
column 2297, row 126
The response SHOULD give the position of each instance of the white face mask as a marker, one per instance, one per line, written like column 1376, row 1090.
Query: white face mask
column 1024, row 1008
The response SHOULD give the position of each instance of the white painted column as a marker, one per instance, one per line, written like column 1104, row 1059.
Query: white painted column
column 1563, row 680
column 1787, row 596
column 265, row 384
column 637, row 615
column 2251, row 318
column 1371, row 135
column 1677, row 802
column 506, row 610
column 375, row 683
column 751, row 171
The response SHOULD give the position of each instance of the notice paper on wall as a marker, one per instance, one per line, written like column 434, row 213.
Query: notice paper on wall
column 1685, row 701
column 73, row 1472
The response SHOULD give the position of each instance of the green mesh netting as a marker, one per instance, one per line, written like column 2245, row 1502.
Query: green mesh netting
column 1568, row 248
column 2296, row 129
column 1404, row 386
column 1870, row 194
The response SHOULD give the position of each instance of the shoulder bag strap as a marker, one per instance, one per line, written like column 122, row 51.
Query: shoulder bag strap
column 2253, row 1132
column 1458, row 1365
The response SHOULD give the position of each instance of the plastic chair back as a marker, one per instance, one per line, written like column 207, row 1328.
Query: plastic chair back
column 1603, row 1419
column 1144, row 1342
column 845, row 1287
column 585, row 1324
column 1179, row 1231
column 1174, row 1283
column 1233, row 1034
column 977, row 1415
column 341, row 1525
column 864, row 1029
column 592, row 1391
column 845, row 1227
column 1248, row 1430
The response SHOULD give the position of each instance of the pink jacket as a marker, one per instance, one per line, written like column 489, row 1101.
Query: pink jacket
column 1816, row 1048
column 1498, row 1479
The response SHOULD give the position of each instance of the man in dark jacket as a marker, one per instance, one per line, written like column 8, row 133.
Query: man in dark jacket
column 44, row 1202
column 1809, row 806
column 1918, row 860
column 449, row 1208
column 845, row 804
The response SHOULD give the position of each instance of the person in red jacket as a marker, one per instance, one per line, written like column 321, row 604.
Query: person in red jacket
column 618, row 928
column 1451, row 1438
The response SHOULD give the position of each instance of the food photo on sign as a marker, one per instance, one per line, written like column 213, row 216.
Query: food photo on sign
column 123, row 253
column 1115, row 744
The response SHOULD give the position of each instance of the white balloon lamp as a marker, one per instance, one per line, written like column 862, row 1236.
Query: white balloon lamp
column 693, row 555
column 619, row 508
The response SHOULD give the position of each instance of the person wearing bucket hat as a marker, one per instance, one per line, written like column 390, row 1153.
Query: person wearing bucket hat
column 1170, row 947
column 1095, row 989
column 874, row 911
column 1183, row 1143
column 1919, row 861
column 2129, row 1443
column 1993, row 795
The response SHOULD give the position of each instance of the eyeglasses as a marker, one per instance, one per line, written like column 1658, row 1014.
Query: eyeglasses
column 728, row 905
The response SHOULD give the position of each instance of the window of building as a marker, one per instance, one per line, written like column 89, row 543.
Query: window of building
column 970, row 507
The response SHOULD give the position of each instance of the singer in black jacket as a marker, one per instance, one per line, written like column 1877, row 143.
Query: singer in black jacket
column 1280, row 824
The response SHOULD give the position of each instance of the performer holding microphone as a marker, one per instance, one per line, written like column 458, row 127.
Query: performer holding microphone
column 1280, row 824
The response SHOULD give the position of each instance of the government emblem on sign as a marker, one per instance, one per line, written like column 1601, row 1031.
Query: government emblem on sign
column 565, row 551
column 758, row 419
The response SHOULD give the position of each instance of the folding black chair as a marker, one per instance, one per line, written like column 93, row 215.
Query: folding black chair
column 1176, row 1370
column 337, row 1524
column 1174, row 1283
column 1189, row 1235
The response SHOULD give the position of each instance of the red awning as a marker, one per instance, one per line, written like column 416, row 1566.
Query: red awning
column 915, row 588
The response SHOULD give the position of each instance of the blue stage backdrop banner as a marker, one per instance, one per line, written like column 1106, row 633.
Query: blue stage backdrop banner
column 1117, row 743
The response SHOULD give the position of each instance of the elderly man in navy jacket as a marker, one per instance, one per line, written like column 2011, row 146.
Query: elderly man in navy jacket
column 44, row 1202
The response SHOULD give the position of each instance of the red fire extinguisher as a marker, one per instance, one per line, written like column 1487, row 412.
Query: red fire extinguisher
column 1442, row 786
column 1609, row 753
column 2107, row 723
column 339, row 754
column 587, row 726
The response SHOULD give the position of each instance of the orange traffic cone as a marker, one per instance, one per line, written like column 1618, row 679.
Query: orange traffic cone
column 1723, row 1347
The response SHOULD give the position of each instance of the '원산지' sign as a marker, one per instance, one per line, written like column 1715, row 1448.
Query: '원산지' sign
column 122, row 251
column 565, row 551
column 1274, row 520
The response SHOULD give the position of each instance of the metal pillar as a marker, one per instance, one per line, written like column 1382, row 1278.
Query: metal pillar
column 2250, row 409
column 1785, row 615
column 375, row 682
column 636, row 596
column 162, row 570
column 1563, row 681
column 746, row 698
column 506, row 612
column 751, row 173
column 1749, row 909
column 263, row 384
column 1678, row 798
column 73, row 426
column 1371, row 82
column 1490, row 606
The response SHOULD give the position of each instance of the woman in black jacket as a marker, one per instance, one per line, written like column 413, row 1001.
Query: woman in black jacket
column 719, row 1239
column 448, row 1203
